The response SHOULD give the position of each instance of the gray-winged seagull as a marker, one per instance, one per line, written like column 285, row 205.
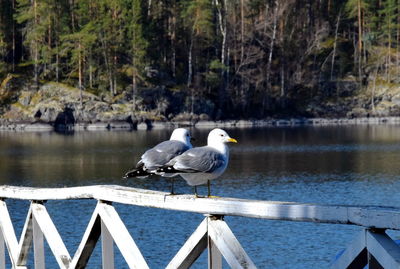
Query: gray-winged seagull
column 201, row 164
column 161, row 154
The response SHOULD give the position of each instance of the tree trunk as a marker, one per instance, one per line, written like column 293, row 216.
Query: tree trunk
column 148, row 8
column 283, row 93
column 359, row 27
column 13, row 37
column 271, row 49
column 107, row 64
column 223, row 29
column 389, row 46
column 360, row 37
column 71, row 4
column 80, row 73
column 373, row 90
column 57, row 63
column 173, row 40
column 398, row 43
column 36, row 49
column 114, row 77
column 190, row 64
column 334, row 44
column 134, row 84
column 241, row 30
column 90, row 71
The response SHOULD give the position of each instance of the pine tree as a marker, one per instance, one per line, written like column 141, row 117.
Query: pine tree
column 137, row 45
column 76, row 46
column 388, row 31
column 356, row 9
column 198, row 20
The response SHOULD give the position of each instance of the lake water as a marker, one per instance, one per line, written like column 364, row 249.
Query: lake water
column 352, row 165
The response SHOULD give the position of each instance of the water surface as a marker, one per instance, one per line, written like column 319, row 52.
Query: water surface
column 351, row 165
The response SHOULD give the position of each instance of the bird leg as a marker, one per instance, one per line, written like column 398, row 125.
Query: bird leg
column 172, row 186
column 209, row 190
column 195, row 192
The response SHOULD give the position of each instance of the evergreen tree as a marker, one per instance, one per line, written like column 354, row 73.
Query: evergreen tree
column 137, row 45
column 389, row 13
column 37, row 19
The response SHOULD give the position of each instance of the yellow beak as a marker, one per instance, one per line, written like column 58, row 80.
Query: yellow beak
column 233, row 140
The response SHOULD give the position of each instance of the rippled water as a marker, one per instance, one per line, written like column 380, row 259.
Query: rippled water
column 326, row 165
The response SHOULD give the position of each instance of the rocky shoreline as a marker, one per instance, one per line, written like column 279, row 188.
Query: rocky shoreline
column 59, row 107
column 202, row 124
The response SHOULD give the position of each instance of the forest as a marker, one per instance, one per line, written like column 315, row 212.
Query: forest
column 224, row 58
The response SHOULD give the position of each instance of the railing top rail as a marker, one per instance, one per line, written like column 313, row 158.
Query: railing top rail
column 367, row 216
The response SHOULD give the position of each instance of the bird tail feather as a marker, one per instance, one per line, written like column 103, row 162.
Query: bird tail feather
column 139, row 172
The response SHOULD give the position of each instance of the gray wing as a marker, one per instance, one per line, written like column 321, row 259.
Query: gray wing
column 202, row 159
column 162, row 154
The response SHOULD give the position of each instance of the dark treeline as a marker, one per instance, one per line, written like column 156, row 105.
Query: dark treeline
column 230, row 58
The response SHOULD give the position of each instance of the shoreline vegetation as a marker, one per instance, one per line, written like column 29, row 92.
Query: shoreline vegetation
column 202, row 124
column 117, row 64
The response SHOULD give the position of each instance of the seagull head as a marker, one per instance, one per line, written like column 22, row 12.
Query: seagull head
column 181, row 134
column 219, row 136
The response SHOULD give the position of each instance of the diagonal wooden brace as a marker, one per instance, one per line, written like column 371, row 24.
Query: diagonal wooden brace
column 192, row 248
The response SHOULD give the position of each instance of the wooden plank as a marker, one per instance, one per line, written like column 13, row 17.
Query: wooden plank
column 8, row 233
column 228, row 245
column 38, row 245
column 214, row 256
column 355, row 255
column 384, row 249
column 43, row 194
column 367, row 216
column 192, row 249
column 25, row 241
column 51, row 234
column 107, row 247
column 88, row 242
column 121, row 236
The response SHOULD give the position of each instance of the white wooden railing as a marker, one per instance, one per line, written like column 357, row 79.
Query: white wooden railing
column 372, row 246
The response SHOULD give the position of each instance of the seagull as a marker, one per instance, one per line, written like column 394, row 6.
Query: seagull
column 200, row 165
column 161, row 154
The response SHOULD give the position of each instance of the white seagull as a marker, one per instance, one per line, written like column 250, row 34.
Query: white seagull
column 161, row 154
column 201, row 164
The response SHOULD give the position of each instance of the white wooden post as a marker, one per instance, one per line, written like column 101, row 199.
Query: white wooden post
column 121, row 236
column 214, row 256
column 2, row 252
column 38, row 245
column 107, row 247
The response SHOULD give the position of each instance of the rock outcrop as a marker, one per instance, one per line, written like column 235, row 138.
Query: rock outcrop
column 63, row 106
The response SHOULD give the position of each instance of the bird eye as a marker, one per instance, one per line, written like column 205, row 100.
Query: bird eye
column 221, row 135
